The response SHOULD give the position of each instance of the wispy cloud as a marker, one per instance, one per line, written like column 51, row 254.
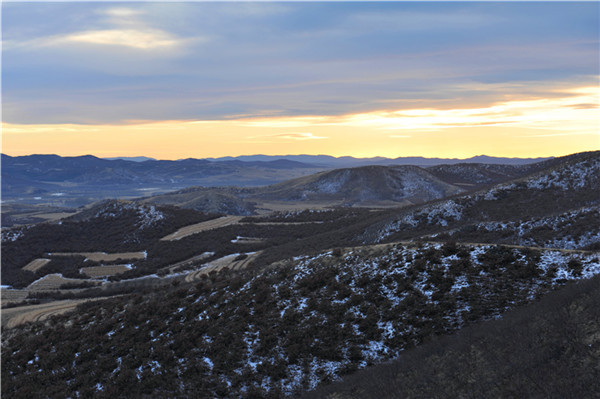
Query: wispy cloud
column 366, row 64
column 289, row 136
column 299, row 136
column 560, row 112
column 120, row 27
column 120, row 12
column 143, row 39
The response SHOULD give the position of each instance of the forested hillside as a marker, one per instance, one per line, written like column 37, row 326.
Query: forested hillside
column 548, row 349
column 279, row 331
column 134, row 299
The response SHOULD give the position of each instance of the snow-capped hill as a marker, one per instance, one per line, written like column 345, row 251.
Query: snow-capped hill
column 368, row 183
column 580, row 172
column 439, row 214
column 477, row 174
column 13, row 234
column 145, row 215
column 575, row 229
column 568, row 184
column 209, row 200
column 573, row 175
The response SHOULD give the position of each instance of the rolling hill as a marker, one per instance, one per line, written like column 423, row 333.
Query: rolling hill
column 366, row 186
column 402, row 184
column 75, row 181
column 277, row 304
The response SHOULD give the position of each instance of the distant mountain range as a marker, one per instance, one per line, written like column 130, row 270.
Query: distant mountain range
column 349, row 162
column 364, row 186
column 328, row 161
column 75, row 181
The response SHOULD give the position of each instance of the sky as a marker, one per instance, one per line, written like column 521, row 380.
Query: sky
column 212, row 79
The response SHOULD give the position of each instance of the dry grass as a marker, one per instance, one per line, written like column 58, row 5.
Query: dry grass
column 203, row 226
column 102, row 256
column 226, row 261
column 103, row 271
column 24, row 314
column 36, row 264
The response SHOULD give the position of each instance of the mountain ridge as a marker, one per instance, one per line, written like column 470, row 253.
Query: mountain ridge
column 349, row 161
column 50, row 179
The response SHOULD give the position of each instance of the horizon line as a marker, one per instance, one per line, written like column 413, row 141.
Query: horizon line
column 109, row 157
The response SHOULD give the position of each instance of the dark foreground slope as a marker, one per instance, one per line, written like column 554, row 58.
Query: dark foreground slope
column 550, row 349
column 279, row 331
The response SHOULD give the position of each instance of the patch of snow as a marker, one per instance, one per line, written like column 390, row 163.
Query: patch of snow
column 460, row 283
column 208, row 362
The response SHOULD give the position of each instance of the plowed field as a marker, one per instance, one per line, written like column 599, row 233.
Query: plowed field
column 52, row 282
column 102, row 271
column 13, row 295
column 23, row 314
column 36, row 264
column 102, row 256
column 226, row 261
column 204, row 226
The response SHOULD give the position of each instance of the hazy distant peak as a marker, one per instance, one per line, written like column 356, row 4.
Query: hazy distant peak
column 134, row 159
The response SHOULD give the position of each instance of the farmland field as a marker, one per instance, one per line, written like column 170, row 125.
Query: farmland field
column 103, row 271
column 52, row 282
column 24, row 314
column 203, row 226
column 36, row 264
column 228, row 261
column 102, row 256
column 13, row 295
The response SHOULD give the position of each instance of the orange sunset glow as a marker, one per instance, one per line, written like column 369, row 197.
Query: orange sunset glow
column 542, row 127
column 398, row 79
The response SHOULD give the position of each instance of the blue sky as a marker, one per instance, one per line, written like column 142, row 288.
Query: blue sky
column 122, row 63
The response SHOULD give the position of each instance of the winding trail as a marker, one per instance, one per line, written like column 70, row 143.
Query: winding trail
column 13, row 317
